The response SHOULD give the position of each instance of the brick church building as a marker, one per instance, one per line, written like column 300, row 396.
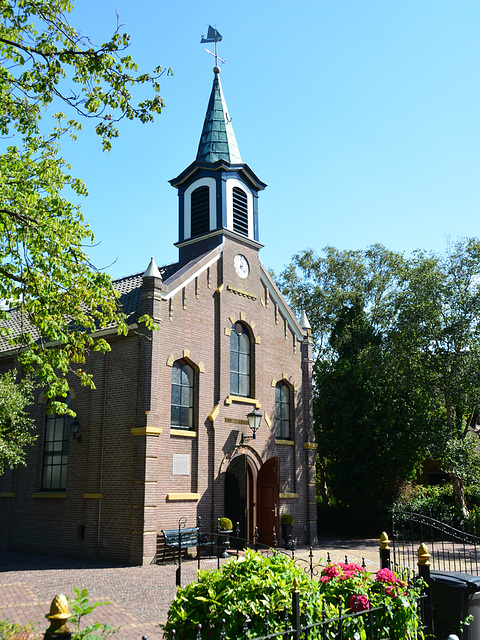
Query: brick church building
column 165, row 434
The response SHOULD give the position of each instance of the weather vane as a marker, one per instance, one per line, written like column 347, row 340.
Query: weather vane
column 213, row 36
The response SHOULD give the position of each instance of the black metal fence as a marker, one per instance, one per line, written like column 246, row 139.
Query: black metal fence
column 450, row 549
column 371, row 624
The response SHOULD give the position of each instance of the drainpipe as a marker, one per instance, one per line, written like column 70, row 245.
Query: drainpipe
column 104, row 411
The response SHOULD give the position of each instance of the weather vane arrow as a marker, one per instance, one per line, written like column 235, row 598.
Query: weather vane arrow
column 213, row 36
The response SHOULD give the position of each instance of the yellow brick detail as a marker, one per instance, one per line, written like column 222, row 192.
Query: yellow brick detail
column 183, row 496
column 184, row 433
column 146, row 431
column 214, row 412
column 171, row 360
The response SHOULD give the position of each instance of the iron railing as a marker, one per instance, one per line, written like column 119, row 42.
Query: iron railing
column 450, row 549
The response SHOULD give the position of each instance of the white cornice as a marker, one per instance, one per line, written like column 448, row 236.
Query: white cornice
column 280, row 300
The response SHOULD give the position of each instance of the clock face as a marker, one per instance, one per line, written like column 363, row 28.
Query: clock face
column 241, row 266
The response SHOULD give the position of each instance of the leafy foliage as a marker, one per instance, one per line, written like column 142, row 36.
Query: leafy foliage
column 51, row 293
column 397, row 345
column 15, row 425
column 16, row 631
column 250, row 586
column 260, row 589
column 45, row 272
column 81, row 607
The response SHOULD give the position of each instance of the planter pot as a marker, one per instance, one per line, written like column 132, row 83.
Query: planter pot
column 224, row 543
column 287, row 535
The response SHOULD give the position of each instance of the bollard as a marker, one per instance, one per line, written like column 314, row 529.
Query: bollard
column 424, row 572
column 58, row 616
column 384, row 551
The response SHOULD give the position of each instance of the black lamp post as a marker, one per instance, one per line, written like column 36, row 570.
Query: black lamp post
column 254, row 418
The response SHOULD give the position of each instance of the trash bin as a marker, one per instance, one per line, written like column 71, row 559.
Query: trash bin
column 454, row 597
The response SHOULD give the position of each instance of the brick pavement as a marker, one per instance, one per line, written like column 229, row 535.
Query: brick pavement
column 139, row 597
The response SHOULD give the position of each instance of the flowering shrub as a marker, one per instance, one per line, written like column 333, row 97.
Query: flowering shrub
column 351, row 587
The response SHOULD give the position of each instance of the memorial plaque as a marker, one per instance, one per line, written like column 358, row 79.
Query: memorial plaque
column 180, row 464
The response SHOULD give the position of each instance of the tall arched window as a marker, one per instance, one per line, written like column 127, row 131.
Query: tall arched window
column 283, row 429
column 240, row 361
column 55, row 451
column 183, row 379
column 200, row 211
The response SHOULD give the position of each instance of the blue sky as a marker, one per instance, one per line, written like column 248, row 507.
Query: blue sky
column 362, row 118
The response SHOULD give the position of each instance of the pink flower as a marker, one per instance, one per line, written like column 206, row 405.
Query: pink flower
column 331, row 571
column 359, row 603
column 387, row 576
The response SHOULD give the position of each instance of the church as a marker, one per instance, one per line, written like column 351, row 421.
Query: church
column 210, row 415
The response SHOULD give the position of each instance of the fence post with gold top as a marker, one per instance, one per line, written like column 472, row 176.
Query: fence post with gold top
column 384, row 551
column 58, row 616
column 424, row 573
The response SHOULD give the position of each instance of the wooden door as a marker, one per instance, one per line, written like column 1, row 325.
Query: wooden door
column 236, row 493
column 267, row 501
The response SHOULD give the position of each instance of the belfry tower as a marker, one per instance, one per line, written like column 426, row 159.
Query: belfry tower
column 218, row 193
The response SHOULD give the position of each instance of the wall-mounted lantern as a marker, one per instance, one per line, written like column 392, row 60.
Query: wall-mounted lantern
column 75, row 427
column 254, row 418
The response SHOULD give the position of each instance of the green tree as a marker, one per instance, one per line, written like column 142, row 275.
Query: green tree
column 51, row 293
column 15, row 424
column 45, row 272
column 397, row 344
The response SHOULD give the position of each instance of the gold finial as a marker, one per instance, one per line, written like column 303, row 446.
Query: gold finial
column 384, row 541
column 58, row 616
column 423, row 555
column 295, row 584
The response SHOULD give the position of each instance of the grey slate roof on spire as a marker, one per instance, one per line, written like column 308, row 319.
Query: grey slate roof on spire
column 217, row 141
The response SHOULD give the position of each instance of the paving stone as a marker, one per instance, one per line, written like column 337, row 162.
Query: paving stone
column 139, row 597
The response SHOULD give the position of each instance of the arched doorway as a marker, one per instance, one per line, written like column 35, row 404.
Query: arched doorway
column 240, row 490
column 251, row 498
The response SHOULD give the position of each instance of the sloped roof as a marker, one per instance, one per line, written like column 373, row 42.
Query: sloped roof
column 129, row 288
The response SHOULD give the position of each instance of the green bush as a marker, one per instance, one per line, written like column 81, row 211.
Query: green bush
column 225, row 524
column 251, row 585
column 261, row 587
column 287, row 518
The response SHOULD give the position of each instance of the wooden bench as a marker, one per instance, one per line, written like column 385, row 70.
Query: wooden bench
column 182, row 539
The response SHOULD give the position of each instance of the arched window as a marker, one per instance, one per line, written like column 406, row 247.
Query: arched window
column 283, row 429
column 200, row 211
column 240, row 211
column 183, row 379
column 240, row 361
column 55, row 451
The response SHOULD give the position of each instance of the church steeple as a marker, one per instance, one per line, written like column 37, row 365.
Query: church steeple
column 218, row 193
column 218, row 141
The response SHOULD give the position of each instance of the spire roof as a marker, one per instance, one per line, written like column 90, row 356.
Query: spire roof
column 217, row 141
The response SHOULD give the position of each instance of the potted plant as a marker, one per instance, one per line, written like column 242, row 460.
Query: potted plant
column 287, row 528
column 224, row 528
